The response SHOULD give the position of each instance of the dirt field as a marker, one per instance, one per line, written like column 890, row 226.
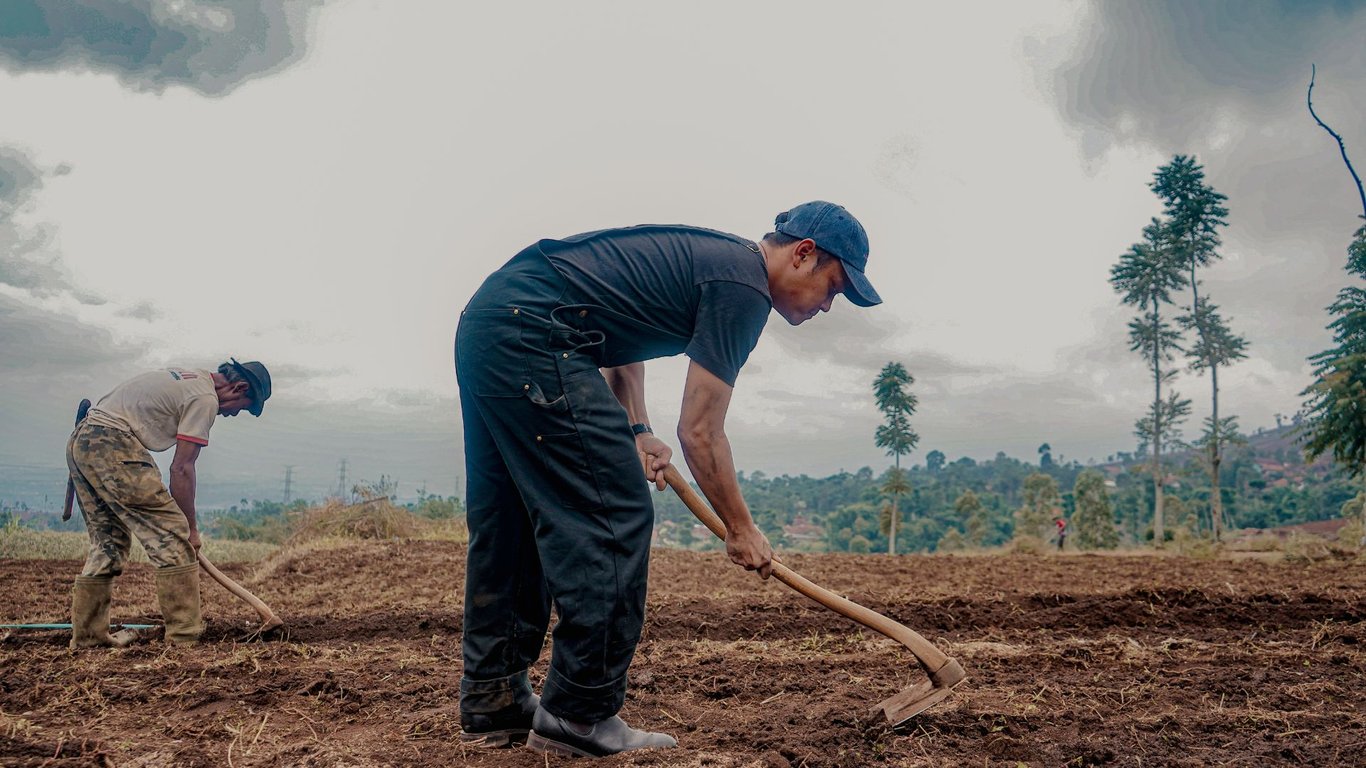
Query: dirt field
column 1073, row 660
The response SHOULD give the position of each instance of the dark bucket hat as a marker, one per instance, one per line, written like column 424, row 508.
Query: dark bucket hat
column 259, row 378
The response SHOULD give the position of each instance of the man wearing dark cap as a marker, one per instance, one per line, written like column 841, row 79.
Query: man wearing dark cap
column 120, row 488
column 549, row 356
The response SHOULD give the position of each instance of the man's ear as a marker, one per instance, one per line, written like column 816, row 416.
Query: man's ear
column 805, row 249
column 240, row 387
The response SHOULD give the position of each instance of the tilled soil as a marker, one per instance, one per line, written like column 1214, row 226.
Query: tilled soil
column 1072, row 660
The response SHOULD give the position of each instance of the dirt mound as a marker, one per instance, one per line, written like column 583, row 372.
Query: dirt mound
column 1078, row 660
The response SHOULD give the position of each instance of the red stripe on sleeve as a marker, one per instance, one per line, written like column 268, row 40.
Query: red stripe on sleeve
column 195, row 440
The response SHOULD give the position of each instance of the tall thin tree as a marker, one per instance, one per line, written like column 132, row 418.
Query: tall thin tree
column 1214, row 347
column 1195, row 214
column 891, row 391
column 1146, row 276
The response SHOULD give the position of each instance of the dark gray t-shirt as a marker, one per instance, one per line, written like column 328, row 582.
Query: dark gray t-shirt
column 658, row 290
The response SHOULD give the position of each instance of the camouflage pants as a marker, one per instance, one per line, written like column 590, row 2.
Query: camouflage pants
column 120, row 490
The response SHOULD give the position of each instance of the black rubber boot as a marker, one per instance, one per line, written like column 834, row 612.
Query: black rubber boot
column 497, row 713
column 558, row 736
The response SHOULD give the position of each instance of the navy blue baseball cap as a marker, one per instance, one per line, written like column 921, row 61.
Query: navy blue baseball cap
column 838, row 233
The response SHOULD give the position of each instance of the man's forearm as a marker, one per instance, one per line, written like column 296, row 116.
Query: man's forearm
column 182, row 490
column 627, row 382
column 713, row 467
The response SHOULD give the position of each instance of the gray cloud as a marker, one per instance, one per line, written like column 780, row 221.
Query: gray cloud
column 19, row 178
column 1225, row 80
column 39, row 343
column 211, row 46
column 1166, row 71
column 141, row 311
column 24, row 263
column 27, row 259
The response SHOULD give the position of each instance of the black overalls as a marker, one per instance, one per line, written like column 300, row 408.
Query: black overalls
column 552, row 472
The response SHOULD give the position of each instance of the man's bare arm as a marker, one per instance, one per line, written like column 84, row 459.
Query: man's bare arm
column 701, row 432
column 627, row 382
column 183, row 482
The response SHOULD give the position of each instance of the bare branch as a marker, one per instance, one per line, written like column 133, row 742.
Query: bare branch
column 1309, row 99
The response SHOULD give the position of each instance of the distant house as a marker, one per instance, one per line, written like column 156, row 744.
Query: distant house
column 1268, row 466
column 803, row 530
column 1325, row 528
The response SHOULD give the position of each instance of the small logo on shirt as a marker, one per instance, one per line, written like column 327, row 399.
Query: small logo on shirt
column 179, row 375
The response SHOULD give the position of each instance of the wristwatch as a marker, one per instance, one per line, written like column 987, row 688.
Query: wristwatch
column 640, row 429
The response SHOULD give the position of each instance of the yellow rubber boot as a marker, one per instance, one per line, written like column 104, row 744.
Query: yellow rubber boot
column 178, row 596
column 90, row 597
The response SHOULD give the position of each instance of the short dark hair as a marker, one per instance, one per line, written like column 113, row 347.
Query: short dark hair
column 782, row 238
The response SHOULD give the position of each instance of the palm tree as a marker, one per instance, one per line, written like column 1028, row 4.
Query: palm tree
column 897, row 404
column 1045, row 455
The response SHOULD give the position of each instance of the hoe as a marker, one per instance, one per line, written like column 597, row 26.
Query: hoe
column 944, row 673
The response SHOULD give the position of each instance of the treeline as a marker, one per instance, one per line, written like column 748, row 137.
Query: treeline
column 272, row 522
column 1265, row 483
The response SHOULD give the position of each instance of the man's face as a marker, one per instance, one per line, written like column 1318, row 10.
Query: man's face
column 804, row 290
column 234, row 399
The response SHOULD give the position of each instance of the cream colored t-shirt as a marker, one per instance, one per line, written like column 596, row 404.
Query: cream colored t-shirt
column 160, row 407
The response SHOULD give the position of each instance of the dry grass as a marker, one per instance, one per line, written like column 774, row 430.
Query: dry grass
column 20, row 543
column 375, row 518
column 1024, row 544
column 1265, row 542
column 1353, row 535
column 1305, row 548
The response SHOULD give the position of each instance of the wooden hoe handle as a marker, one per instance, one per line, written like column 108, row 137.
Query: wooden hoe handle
column 268, row 617
column 931, row 658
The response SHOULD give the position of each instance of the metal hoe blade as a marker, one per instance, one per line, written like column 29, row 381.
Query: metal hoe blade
column 921, row 696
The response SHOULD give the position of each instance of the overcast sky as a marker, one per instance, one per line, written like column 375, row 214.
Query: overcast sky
column 322, row 186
